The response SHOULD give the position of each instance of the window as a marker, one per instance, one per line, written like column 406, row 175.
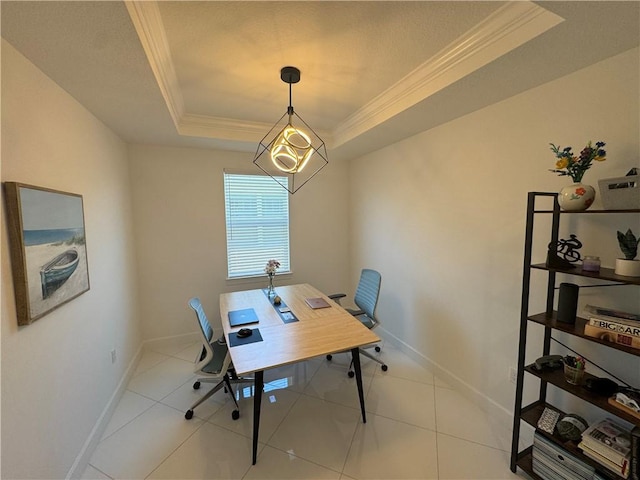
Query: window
column 257, row 216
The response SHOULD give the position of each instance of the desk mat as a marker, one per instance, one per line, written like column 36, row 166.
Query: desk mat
column 286, row 317
column 235, row 340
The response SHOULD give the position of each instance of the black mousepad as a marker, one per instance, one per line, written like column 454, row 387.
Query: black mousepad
column 235, row 340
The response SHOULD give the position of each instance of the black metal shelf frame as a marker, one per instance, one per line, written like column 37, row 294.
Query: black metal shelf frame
column 531, row 413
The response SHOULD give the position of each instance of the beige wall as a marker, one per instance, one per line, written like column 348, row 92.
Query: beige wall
column 442, row 216
column 180, row 233
column 57, row 375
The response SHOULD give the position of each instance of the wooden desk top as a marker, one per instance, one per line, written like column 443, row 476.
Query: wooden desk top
column 318, row 332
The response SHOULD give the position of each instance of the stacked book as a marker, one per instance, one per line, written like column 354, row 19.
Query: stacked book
column 552, row 462
column 609, row 444
column 613, row 325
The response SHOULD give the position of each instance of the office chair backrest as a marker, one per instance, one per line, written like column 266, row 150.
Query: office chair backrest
column 367, row 292
column 205, row 329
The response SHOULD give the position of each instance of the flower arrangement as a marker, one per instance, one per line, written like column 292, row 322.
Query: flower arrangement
column 569, row 164
column 272, row 266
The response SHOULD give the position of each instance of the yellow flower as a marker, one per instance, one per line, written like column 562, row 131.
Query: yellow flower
column 562, row 163
column 600, row 159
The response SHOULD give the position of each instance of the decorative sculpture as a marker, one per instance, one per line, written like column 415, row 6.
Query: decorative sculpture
column 569, row 251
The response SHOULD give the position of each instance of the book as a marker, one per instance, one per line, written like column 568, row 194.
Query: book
column 317, row 302
column 611, row 314
column 242, row 317
column 610, row 440
column 601, row 322
column 635, row 454
column 613, row 337
column 622, row 470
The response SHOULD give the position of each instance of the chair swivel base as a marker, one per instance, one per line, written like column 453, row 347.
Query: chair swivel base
column 226, row 383
column 351, row 373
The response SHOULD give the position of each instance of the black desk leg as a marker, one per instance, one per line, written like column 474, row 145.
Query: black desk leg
column 257, row 401
column 355, row 355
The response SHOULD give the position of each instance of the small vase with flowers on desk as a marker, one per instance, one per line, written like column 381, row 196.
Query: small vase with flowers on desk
column 270, row 270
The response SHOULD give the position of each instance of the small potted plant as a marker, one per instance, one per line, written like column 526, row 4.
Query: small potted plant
column 628, row 266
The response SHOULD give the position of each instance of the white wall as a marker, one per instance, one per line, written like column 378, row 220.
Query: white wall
column 442, row 216
column 181, row 240
column 57, row 376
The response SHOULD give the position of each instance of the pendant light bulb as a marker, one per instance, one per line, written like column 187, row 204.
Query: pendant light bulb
column 291, row 150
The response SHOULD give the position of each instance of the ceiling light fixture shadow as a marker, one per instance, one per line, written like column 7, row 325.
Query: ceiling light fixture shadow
column 291, row 155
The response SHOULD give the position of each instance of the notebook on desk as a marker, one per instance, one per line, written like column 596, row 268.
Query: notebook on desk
column 242, row 317
column 317, row 302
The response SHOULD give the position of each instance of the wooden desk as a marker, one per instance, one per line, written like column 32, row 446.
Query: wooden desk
column 316, row 333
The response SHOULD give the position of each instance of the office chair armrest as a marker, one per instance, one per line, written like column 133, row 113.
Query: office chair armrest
column 337, row 296
column 355, row 313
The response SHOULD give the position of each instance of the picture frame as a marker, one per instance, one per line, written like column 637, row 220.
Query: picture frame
column 47, row 243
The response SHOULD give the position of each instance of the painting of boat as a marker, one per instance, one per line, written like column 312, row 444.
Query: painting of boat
column 55, row 272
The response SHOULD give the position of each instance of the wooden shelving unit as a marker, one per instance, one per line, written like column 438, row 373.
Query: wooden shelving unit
column 531, row 413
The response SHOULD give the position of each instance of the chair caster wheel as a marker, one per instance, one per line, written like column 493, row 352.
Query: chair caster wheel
column 384, row 368
column 377, row 348
column 351, row 374
column 196, row 385
column 235, row 414
column 189, row 414
column 329, row 357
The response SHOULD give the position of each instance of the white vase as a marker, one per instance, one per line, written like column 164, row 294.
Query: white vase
column 576, row 197
column 627, row 268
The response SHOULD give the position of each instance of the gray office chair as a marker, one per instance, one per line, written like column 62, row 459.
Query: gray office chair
column 213, row 363
column 366, row 299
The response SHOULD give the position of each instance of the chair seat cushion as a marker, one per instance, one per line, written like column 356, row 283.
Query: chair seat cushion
column 219, row 353
column 366, row 321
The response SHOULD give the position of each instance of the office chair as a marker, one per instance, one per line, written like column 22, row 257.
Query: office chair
column 213, row 363
column 366, row 299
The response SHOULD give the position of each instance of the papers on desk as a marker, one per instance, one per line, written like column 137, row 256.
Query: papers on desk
column 317, row 302
column 242, row 317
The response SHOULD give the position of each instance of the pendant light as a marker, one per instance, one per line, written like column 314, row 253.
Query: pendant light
column 294, row 153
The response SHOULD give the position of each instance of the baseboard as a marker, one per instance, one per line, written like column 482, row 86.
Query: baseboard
column 502, row 416
column 83, row 458
column 163, row 343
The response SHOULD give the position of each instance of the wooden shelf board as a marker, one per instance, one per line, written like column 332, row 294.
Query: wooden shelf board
column 556, row 378
column 564, row 212
column 531, row 414
column 577, row 329
column 604, row 274
column 525, row 462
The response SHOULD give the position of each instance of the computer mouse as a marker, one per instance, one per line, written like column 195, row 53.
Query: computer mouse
column 245, row 332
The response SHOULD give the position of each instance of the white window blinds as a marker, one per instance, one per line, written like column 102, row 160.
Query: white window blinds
column 257, row 218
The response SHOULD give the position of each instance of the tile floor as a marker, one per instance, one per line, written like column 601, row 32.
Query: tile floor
column 417, row 427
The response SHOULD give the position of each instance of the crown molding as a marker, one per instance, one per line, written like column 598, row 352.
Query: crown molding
column 193, row 125
column 507, row 28
column 148, row 24
column 227, row 128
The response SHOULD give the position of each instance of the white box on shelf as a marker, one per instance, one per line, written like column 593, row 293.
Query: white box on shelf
column 621, row 193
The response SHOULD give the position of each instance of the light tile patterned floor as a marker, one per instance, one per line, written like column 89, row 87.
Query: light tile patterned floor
column 417, row 427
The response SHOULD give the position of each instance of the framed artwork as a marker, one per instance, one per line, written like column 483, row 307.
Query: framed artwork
column 48, row 248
